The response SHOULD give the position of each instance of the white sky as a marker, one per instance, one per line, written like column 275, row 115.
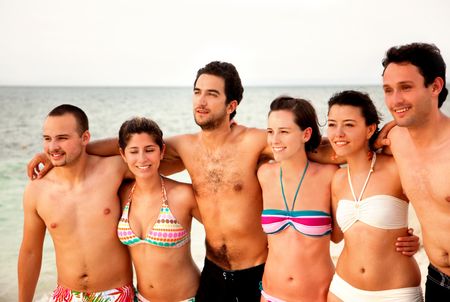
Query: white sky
column 154, row 43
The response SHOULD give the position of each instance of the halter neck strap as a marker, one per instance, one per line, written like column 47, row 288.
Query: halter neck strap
column 298, row 187
column 372, row 164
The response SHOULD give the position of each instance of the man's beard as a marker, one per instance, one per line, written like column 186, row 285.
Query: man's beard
column 212, row 123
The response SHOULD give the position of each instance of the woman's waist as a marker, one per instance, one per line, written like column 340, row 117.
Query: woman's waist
column 378, row 271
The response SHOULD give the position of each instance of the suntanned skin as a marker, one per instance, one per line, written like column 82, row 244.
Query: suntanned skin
column 159, row 270
column 77, row 203
column 368, row 252
column 298, row 267
column 420, row 147
column 222, row 164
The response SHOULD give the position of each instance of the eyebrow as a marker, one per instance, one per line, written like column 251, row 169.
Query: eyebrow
column 208, row 90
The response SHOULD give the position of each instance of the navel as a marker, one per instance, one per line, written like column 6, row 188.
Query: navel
column 53, row 225
column 106, row 211
column 447, row 198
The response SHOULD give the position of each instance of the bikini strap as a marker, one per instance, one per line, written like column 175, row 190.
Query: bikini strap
column 298, row 186
column 164, row 193
column 372, row 164
column 130, row 195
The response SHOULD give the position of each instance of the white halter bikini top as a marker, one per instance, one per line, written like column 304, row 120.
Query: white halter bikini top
column 380, row 211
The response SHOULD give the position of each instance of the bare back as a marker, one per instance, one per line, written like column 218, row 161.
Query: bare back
column 82, row 220
column 425, row 174
column 228, row 194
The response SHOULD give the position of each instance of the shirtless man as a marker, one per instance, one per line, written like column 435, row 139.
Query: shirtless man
column 222, row 161
column 77, row 202
column 414, row 88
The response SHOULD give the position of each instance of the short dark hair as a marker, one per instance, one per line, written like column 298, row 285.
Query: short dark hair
column 362, row 101
column 304, row 116
column 80, row 117
column 426, row 57
column 227, row 71
column 137, row 125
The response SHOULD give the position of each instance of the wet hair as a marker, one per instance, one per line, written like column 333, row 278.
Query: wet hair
column 362, row 101
column 304, row 116
column 80, row 117
column 426, row 57
column 138, row 125
column 233, row 85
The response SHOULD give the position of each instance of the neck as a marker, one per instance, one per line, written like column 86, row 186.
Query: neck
column 360, row 162
column 75, row 172
column 430, row 132
column 294, row 164
column 216, row 136
column 148, row 185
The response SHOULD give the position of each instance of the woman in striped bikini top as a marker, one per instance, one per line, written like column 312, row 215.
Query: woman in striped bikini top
column 296, row 207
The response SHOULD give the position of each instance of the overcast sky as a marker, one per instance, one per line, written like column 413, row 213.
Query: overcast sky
column 164, row 43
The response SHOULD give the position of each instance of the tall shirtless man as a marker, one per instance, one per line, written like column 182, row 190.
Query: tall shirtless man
column 77, row 202
column 414, row 88
column 222, row 161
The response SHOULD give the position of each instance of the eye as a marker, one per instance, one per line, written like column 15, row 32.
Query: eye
column 331, row 124
column 406, row 87
column 269, row 131
column 387, row 90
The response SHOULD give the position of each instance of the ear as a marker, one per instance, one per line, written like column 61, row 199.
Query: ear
column 122, row 153
column 371, row 130
column 307, row 133
column 231, row 107
column 437, row 86
column 85, row 137
column 163, row 150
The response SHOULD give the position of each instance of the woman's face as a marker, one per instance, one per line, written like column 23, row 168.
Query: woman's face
column 347, row 130
column 284, row 136
column 142, row 155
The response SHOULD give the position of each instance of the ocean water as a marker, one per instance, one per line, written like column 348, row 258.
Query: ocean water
column 23, row 109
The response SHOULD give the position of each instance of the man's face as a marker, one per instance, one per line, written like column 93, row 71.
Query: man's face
column 405, row 94
column 209, row 100
column 63, row 144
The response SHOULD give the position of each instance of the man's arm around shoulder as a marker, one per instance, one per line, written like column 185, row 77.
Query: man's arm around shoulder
column 30, row 254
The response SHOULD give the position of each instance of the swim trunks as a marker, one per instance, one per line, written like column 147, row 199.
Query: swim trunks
column 437, row 286
column 220, row 285
column 120, row 294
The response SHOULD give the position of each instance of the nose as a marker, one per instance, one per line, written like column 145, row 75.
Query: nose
column 339, row 131
column 53, row 145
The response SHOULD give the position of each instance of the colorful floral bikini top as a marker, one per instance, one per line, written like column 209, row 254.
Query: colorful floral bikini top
column 166, row 232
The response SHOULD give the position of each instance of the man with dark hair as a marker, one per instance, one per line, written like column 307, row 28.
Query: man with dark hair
column 414, row 89
column 77, row 203
column 222, row 160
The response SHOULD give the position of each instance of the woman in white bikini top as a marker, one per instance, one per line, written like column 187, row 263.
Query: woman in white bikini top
column 369, row 208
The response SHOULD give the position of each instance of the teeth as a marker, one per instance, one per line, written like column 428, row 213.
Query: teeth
column 143, row 167
column 340, row 143
column 401, row 110
column 277, row 149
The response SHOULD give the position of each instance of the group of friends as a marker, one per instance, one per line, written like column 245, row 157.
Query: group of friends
column 270, row 200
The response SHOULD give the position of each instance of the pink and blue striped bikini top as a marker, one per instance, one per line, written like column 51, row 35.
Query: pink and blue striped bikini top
column 306, row 222
column 166, row 232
